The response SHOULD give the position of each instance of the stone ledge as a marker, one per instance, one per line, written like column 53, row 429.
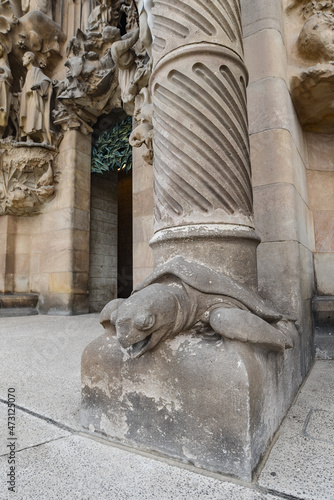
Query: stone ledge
column 18, row 304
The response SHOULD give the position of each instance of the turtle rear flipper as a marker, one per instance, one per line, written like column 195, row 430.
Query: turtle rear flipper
column 237, row 324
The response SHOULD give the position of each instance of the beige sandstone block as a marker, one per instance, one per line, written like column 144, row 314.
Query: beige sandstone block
column 72, row 158
column 260, row 15
column 142, row 178
column 3, row 224
column 81, row 219
column 81, row 261
column 35, row 264
column 2, row 281
column 61, row 261
column 60, row 282
column 143, row 203
column 22, row 264
column 56, row 220
column 324, row 273
column 82, row 180
column 3, row 246
column 270, row 107
column 321, row 151
column 80, row 282
column 272, row 63
column 22, row 243
column 281, row 214
column 60, row 240
column 40, row 242
column 39, row 282
column 21, row 283
column 82, row 199
column 275, row 159
column 76, row 140
column 143, row 228
column 279, row 269
column 142, row 255
column 321, row 189
column 140, row 273
column 324, row 231
column 80, row 239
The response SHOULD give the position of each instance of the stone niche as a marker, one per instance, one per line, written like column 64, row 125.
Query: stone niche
column 26, row 177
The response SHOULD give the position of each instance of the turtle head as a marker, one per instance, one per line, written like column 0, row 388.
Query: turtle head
column 145, row 318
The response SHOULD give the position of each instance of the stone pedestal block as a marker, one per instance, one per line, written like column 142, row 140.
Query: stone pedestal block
column 201, row 400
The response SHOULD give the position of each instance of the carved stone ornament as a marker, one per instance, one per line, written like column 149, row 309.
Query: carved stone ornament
column 312, row 88
column 183, row 296
column 105, row 70
column 26, row 178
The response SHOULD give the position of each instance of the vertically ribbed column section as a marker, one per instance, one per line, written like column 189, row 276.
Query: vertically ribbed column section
column 202, row 179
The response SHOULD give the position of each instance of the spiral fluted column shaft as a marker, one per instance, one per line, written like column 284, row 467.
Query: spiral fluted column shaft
column 202, row 178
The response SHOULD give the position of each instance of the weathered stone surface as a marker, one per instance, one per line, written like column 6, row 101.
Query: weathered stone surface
column 27, row 178
column 195, row 398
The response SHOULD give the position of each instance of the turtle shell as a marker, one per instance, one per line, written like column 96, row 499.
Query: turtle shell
column 209, row 281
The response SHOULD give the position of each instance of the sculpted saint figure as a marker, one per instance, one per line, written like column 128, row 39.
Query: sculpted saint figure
column 124, row 57
column 44, row 6
column 145, row 23
column 5, row 89
column 35, row 102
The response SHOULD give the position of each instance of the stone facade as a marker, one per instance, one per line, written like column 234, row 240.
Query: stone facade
column 233, row 144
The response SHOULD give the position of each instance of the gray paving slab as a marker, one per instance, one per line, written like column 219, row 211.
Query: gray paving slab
column 301, row 463
column 27, row 430
column 77, row 468
column 41, row 358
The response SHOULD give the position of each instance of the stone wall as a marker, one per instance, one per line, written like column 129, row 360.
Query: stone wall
column 103, row 241
column 283, row 218
column 142, row 180
column 124, row 238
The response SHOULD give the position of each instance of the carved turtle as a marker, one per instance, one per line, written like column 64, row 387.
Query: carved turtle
column 180, row 296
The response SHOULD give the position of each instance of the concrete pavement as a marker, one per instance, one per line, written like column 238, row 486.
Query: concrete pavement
column 54, row 459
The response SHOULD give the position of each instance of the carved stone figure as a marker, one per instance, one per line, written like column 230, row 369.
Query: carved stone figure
column 44, row 6
column 143, row 132
column 315, row 40
column 312, row 87
column 99, row 17
column 125, row 58
column 5, row 89
column 181, row 296
column 35, row 102
column 145, row 23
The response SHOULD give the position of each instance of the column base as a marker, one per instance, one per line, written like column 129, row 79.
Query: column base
column 199, row 399
column 226, row 248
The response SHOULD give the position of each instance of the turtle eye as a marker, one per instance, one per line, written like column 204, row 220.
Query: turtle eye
column 144, row 320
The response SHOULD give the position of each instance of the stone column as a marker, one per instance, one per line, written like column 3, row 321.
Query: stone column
column 202, row 179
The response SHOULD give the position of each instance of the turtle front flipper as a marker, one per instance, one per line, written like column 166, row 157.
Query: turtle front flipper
column 237, row 324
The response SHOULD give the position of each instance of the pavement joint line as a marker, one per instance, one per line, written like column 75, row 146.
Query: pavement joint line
column 282, row 495
column 277, row 434
column 36, row 445
column 42, row 417
column 106, row 441
column 169, row 461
